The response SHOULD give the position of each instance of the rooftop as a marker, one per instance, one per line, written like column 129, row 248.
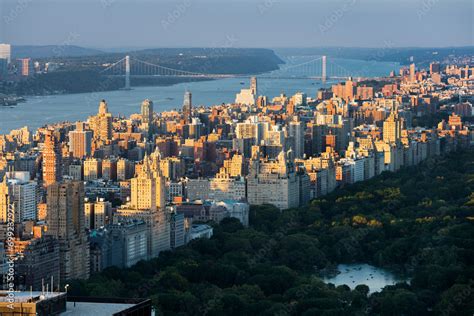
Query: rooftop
column 79, row 306
column 96, row 309
column 199, row 228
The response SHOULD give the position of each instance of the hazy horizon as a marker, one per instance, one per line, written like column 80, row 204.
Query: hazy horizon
column 122, row 49
column 122, row 24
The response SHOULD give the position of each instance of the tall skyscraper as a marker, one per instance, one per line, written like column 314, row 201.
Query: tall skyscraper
column 65, row 202
column 392, row 127
column 147, row 112
column 147, row 117
column 5, row 196
column 65, row 220
column 80, row 143
column 296, row 131
column 25, row 67
column 148, row 188
column 187, row 106
column 412, row 72
column 5, row 52
column 51, row 160
column 148, row 198
column 101, row 124
column 253, row 85
column 435, row 68
column 24, row 198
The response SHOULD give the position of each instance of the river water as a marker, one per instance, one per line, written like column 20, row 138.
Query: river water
column 41, row 110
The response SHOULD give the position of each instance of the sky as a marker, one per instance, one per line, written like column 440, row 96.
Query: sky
column 237, row 23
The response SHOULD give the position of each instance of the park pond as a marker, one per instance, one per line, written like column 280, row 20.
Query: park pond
column 354, row 274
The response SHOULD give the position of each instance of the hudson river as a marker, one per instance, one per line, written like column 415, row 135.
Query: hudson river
column 41, row 110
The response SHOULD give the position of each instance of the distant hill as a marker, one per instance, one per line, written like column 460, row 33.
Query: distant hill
column 206, row 60
column 45, row 51
column 213, row 60
column 205, row 51
column 392, row 54
column 79, row 69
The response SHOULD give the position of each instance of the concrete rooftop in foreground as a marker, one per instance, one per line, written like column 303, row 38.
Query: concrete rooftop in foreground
column 96, row 309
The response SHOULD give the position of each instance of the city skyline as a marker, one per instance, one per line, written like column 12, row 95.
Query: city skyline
column 262, row 162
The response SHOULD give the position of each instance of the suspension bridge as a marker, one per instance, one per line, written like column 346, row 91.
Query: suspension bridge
column 314, row 69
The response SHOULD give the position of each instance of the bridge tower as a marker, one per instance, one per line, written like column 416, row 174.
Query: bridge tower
column 323, row 72
column 127, row 72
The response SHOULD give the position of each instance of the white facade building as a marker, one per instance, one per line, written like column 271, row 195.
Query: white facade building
column 6, row 52
column 223, row 187
column 24, row 195
column 246, row 97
